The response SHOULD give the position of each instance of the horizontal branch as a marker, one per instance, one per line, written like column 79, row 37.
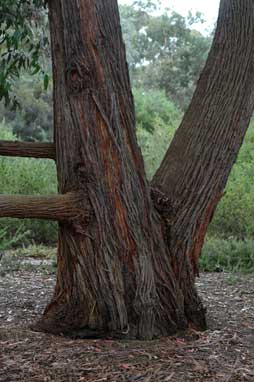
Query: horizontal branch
column 27, row 149
column 53, row 207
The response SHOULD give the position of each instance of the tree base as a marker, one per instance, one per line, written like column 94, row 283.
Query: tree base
column 54, row 324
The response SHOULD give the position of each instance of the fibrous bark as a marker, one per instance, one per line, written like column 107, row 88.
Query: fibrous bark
column 126, row 266
column 68, row 207
column 116, row 278
column 27, row 149
column 196, row 167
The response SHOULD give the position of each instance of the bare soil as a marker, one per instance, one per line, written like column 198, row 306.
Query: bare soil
column 223, row 353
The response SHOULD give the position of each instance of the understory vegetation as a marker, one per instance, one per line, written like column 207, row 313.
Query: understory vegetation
column 164, row 71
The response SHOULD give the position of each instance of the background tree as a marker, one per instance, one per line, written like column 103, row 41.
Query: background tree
column 164, row 51
column 21, row 43
column 159, row 52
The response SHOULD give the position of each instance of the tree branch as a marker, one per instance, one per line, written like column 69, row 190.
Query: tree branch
column 27, row 149
column 53, row 207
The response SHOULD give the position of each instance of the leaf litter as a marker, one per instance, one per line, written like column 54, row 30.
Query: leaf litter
column 223, row 353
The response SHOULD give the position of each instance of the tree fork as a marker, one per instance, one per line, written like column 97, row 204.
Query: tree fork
column 27, row 149
column 117, row 279
column 69, row 206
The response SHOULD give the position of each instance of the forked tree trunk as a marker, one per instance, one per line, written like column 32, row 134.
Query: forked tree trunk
column 126, row 263
column 126, row 267
column 114, row 270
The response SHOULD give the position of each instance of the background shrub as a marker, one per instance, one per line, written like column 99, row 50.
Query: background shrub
column 157, row 120
column 26, row 176
column 227, row 255
column 235, row 212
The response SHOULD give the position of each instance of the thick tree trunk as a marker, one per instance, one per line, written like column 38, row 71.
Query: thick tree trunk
column 127, row 267
column 196, row 167
column 114, row 269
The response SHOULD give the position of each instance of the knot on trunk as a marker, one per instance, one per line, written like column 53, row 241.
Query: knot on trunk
column 84, row 215
column 79, row 76
column 163, row 205
column 85, row 175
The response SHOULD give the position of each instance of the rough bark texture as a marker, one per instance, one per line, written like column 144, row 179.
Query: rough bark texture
column 27, row 149
column 196, row 167
column 128, row 268
column 68, row 207
column 114, row 272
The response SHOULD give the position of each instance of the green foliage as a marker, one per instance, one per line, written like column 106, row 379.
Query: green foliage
column 37, row 251
column 234, row 214
column 7, row 240
column 152, row 105
column 164, row 51
column 157, row 119
column 227, row 255
column 22, row 41
column 34, row 121
column 27, row 176
column 178, row 72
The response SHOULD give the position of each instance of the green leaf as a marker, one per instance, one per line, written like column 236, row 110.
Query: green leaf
column 36, row 69
column 46, row 81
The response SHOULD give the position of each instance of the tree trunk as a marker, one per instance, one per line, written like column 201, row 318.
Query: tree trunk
column 126, row 266
column 114, row 274
column 196, row 167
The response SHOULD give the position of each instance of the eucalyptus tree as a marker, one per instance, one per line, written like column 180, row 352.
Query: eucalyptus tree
column 164, row 51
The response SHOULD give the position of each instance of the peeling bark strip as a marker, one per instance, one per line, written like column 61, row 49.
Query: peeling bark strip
column 196, row 167
column 55, row 207
column 27, row 149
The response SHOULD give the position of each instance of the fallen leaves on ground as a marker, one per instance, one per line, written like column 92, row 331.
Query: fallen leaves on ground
column 224, row 353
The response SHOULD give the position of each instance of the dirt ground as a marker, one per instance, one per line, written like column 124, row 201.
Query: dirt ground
column 224, row 353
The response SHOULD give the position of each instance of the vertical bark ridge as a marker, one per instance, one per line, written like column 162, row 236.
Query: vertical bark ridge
column 196, row 167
